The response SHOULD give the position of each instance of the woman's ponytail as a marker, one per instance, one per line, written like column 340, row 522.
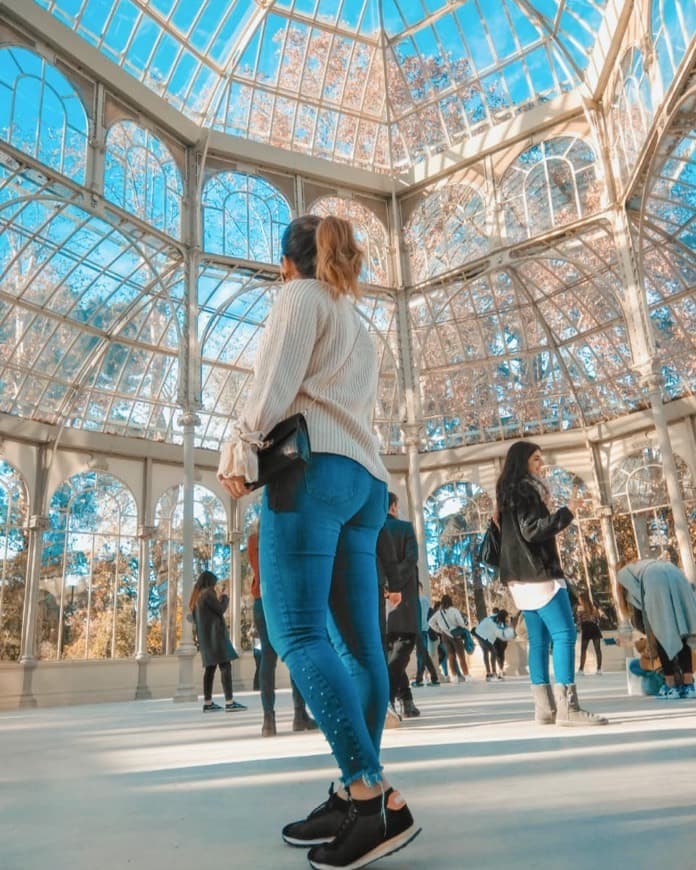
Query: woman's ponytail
column 339, row 259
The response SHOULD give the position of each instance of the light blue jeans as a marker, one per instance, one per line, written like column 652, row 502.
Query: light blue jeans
column 318, row 539
column 552, row 622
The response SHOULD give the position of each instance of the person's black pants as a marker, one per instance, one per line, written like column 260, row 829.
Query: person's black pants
column 597, row 643
column 399, row 649
column 226, row 677
column 267, row 665
column 682, row 658
column 423, row 659
column 489, row 656
column 500, row 646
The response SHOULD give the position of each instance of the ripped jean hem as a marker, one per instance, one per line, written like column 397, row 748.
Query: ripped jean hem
column 369, row 779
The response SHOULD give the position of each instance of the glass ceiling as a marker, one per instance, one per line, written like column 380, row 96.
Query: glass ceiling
column 379, row 84
column 513, row 295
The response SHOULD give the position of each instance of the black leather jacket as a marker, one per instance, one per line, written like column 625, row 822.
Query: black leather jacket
column 528, row 551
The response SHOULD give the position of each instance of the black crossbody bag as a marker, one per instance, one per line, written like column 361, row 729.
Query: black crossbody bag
column 287, row 445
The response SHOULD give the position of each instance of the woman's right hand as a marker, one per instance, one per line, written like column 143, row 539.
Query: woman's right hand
column 236, row 486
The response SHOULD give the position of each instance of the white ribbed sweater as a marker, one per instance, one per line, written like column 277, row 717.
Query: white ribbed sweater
column 315, row 356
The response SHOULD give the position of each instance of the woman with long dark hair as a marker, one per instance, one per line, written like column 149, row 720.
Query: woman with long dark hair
column 530, row 567
column 207, row 612
column 319, row 530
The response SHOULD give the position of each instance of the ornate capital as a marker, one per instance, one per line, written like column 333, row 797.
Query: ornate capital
column 38, row 523
column 189, row 418
column 604, row 510
column 146, row 533
column 235, row 537
column 412, row 434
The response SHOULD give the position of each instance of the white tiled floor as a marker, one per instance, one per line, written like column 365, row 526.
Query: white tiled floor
column 153, row 784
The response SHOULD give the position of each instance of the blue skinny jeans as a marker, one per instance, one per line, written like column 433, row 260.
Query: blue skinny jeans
column 317, row 560
column 552, row 623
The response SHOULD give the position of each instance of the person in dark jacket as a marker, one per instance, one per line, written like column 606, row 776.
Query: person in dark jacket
column 531, row 568
column 590, row 632
column 213, row 640
column 403, row 620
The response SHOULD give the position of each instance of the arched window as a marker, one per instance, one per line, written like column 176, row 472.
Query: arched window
column 370, row 233
column 41, row 113
column 445, row 231
column 673, row 24
column 549, row 185
column 456, row 516
column 581, row 546
column 140, row 176
column 89, row 571
column 13, row 559
column 643, row 521
column 211, row 551
column 631, row 111
column 243, row 216
column 668, row 243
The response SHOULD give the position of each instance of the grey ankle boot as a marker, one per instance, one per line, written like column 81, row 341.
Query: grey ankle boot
column 568, row 710
column 269, row 725
column 544, row 706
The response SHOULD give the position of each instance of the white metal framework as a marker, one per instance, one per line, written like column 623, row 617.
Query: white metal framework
column 522, row 176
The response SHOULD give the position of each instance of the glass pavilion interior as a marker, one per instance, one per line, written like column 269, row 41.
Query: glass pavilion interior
column 522, row 177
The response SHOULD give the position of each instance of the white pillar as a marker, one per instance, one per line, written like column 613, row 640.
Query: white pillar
column 187, row 650
column 142, row 657
column 235, row 540
column 415, row 501
column 652, row 382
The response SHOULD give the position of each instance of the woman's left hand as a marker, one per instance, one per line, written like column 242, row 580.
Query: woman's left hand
column 236, row 486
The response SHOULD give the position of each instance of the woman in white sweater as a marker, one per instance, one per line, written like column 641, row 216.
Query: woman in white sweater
column 319, row 532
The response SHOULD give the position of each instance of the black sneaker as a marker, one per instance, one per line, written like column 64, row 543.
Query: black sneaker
column 234, row 706
column 409, row 710
column 370, row 831
column 210, row 708
column 321, row 824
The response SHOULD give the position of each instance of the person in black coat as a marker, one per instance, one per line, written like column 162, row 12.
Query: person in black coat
column 213, row 639
column 531, row 568
column 403, row 621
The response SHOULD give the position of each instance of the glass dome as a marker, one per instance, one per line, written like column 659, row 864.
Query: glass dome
column 520, row 273
column 374, row 83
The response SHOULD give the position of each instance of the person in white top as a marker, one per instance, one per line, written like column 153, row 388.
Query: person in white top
column 531, row 568
column 318, row 533
column 489, row 630
column 445, row 621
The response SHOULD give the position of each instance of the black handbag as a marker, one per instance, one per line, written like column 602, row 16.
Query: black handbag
column 489, row 551
column 286, row 447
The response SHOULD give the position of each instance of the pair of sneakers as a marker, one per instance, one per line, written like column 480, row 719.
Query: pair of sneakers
column 230, row 707
column 352, row 834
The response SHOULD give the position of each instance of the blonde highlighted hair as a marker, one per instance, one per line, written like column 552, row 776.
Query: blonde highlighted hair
column 339, row 258
column 324, row 248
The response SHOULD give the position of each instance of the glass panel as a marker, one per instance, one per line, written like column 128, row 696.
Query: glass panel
column 87, row 599
column 631, row 112
column 445, row 231
column 673, row 26
column 243, row 216
column 13, row 559
column 548, row 185
column 211, row 552
column 41, row 112
column 140, row 175
column 456, row 516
